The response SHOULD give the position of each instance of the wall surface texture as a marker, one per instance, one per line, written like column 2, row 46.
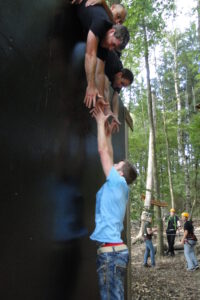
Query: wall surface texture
column 50, row 169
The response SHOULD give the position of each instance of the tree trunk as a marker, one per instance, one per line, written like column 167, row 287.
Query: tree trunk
column 195, row 186
column 167, row 143
column 193, row 100
column 152, row 178
column 198, row 11
column 160, row 246
column 168, row 157
column 181, row 147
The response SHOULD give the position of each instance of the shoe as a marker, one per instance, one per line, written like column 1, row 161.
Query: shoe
column 191, row 270
column 172, row 254
column 146, row 266
column 196, row 268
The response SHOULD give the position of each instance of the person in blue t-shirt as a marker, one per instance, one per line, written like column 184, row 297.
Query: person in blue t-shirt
column 111, row 201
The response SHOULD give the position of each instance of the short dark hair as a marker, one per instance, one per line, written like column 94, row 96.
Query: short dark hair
column 122, row 5
column 121, row 33
column 127, row 74
column 129, row 172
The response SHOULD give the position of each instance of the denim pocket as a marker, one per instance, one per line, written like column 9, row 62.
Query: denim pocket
column 121, row 263
column 120, row 270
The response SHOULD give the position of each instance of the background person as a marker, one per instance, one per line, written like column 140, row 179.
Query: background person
column 149, row 248
column 189, row 241
column 173, row 224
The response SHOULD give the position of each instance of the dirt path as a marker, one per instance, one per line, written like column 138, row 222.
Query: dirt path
column 169, row 280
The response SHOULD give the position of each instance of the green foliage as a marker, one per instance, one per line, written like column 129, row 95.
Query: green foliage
column 151, row 16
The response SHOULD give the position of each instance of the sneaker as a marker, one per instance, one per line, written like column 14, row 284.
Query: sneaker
column 197, row 267
column 191, row 270
column 146, row 266
column 172, row 254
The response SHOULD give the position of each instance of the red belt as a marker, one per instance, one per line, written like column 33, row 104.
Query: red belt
column 111, row 244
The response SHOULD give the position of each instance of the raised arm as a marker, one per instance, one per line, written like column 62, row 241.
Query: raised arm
column 90, row 69
column 100, row 76
column 104, row 139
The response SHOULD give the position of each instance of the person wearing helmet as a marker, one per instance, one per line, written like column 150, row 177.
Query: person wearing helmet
column 173, row 224
column 189, row 241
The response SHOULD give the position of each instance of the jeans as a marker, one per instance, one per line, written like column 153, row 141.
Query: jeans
column 190, row 255
column 111, row 269
column 149, row 248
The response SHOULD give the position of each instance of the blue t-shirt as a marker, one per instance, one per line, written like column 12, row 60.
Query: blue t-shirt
column 111, row 201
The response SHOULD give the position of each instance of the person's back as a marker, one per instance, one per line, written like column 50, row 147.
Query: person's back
column 113, row 65
column 93, row 18
column 190, row 228
column 111, row 203
column 189, row 241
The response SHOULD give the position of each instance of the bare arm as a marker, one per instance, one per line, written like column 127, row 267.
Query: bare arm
column 115, row 107
column 115, row 103
column 102, row 87
column 104, row 4
column 104, row 140
column 100, row 77
column 90, row 69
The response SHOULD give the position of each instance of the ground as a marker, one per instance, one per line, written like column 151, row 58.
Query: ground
column 169, row 280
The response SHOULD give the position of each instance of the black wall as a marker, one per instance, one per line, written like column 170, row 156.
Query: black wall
column 50, row 169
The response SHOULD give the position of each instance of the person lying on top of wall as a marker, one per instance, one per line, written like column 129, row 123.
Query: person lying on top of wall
column 116, row 76
column 114, row 71
column 117, row 12
column 101, row 36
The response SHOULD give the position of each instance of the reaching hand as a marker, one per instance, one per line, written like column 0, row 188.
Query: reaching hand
column 98, row 114
column 91, row 96
column 114, row 125
column 105, row 108
column 93, row 2
column 103, row 104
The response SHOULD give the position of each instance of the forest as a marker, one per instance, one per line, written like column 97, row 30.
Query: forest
column 164, row 102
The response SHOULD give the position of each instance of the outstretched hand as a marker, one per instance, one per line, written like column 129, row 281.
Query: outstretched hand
column 98, row 114
column 100, row 117
column 114, row 124
column 102, row 112
column 91, row 96
column 103, row 104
